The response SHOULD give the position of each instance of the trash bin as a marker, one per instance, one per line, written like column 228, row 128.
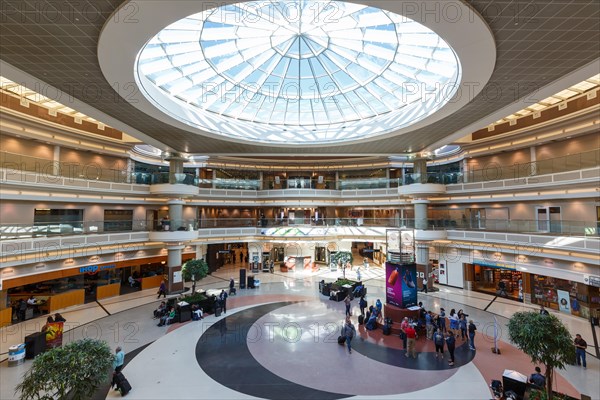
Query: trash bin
column 515, row 381
column 35, row 344
column 184, row 310
column 16, row 355
column 242, row 278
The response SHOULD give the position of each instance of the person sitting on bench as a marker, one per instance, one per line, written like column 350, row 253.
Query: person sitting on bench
column 358, row 289
column 160, row 311
column 167, row 318
column 196, row 312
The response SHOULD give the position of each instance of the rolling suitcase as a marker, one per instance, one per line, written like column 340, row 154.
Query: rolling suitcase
column 341, row 340
column 387, row 329
column 361, row 319
column 122, row 384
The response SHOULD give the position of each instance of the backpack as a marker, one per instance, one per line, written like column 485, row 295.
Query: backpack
column 438, row 338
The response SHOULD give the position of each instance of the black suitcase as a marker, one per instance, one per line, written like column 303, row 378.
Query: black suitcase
column 218, row 311
column 341, row 340
column 361, row 319
column 387, row 329
column 122, row 384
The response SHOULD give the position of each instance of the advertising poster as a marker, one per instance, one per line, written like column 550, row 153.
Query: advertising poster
column 54, row 334
column 401, row 285
column 564, row 303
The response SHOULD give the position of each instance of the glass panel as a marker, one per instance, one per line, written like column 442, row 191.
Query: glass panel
column 321, row 51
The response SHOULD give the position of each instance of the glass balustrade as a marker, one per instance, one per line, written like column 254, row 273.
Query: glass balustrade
column 14, row 164
column 571, row 162
column 557, row 229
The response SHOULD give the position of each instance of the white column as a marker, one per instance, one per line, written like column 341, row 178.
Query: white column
column 420, row 213
column 465, row 165
column 176, row 213
column 533, row 156
column 56, row 160
column 130, row 170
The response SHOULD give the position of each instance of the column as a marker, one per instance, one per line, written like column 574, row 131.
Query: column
column 176, row 213
column 421, row 221
column 130, row 170
column 465, row 171
column 56, row 161
column 387, row 177
column 420, row 170
column 200, row 251
column 175, row 283
column 423, row 266
column 175, row 166
column 533, row 157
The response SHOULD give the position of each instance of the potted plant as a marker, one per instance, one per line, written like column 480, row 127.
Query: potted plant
column 194, row 270
column 74, row 371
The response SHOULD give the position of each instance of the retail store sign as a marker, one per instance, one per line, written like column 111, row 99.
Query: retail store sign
column 92, row 269
column 591, row 280
column 495, row 264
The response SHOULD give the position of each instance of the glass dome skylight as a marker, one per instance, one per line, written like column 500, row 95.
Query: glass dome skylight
column 298, row 72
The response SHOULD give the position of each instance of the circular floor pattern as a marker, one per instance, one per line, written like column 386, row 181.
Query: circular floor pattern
column 227, row 340
column 289, row 350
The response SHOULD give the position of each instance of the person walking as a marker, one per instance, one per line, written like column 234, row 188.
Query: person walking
column 362, row 303
column 580, row 346
column 462, row 324
column 348, row 303
column 429, row 325
column 472, row 328
column 348, row 331
column 403, row 327
column 453, row 318
column 231, row 286
column 223, row 298
column 538, row 379
column 438, row 340
column 358, row 277
column 442, row 320
column 424, row 285
column 450, row 345
column 118, row 362
column 411, row 337
column 162, row 290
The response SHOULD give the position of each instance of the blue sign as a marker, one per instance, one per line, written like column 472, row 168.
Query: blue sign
column 92, row 269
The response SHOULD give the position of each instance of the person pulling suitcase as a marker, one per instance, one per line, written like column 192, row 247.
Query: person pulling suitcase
column 121, row 383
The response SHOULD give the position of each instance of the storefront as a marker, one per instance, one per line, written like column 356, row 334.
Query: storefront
column 566, row 296
column 489, row 277
column 63, row 288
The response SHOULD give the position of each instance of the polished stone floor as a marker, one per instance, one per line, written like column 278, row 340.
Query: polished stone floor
column 279, row 341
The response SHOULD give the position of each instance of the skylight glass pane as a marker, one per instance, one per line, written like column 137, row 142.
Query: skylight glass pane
column 339, row 65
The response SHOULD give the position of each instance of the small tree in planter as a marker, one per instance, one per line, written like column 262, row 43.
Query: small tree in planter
column 194, row 270
column 342, row 257
column 543, row 338
column 74, row 371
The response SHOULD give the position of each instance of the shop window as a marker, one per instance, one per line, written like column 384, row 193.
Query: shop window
column 58, row 221
column 118, row 220
column 548, row 219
